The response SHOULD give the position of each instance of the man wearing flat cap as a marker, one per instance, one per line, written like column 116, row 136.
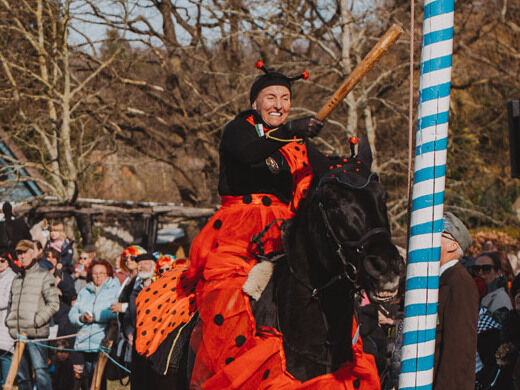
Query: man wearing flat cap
column 33, row 301
column 456, row 336
column 145, row 274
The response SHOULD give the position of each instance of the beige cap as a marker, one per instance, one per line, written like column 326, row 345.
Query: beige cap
column 24, row 245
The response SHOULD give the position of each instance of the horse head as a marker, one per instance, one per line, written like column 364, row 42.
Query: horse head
column 350, row 203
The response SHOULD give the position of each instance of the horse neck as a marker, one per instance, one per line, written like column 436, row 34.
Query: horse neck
column 334, row 307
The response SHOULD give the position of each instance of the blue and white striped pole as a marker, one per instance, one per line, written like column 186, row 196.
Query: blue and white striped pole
column 422, row 279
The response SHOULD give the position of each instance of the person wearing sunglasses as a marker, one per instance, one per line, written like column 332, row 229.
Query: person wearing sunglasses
column 6, row 342
column 488, row 267
column 128, row 265
column 495, row 307
column 164, row 264
column 81, row 268
column 456, row 335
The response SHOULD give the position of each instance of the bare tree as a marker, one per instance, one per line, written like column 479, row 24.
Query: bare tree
column 47, row 89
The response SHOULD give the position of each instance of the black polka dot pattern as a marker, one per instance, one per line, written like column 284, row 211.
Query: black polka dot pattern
column 266, row 201
column 219, row 320
column 240, row 340
column 229, row 360
column 247, row 199
column 266, row 374
column 357, row 383
column 217, row 224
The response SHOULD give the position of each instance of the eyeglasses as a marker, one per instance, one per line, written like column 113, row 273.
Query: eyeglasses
column 163, row 270
column 83, row 257
column 448, row 237
column 486, row 268
column 129, row 257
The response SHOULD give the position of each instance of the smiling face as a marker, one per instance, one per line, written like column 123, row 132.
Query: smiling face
column 273, row 103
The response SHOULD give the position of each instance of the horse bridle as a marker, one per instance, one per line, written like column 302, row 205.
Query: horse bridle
column 358, row 246
column 350, row 270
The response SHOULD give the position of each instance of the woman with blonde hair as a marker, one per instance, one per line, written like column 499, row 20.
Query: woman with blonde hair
column 59, row 241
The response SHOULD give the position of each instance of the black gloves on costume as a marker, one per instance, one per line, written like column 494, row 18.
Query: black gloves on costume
column 309, row 126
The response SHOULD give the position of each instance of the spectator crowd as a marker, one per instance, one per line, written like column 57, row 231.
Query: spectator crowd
column 62, row 310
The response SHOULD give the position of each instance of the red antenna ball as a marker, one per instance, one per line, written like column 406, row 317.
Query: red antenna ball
column 352, row 140
column 305, row 75
column 259, row 64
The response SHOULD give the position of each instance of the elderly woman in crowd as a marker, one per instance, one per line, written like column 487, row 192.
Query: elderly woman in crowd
column 91, row 313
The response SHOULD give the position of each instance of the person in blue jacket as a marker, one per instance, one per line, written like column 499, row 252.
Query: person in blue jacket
column 92, row 313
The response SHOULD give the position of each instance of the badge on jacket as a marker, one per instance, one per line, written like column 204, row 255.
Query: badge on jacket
column 272, row 165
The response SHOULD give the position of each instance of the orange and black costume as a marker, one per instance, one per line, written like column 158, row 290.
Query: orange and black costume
column 232, row 353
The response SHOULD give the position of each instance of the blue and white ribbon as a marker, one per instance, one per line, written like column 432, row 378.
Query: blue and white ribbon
column 426, row 225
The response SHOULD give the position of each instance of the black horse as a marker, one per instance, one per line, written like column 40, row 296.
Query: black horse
column 339, row 241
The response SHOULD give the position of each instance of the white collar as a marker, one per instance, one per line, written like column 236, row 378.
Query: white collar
column 447, row 266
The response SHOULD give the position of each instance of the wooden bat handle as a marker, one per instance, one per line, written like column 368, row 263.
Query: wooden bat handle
column 361, row 70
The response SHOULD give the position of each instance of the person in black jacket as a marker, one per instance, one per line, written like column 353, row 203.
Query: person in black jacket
column 141, row 372
column 67, row 293
column 12, row 230
column 266, row 166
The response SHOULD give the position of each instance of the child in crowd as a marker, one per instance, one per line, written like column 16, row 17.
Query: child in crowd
column 59, row 241
column 63, row 373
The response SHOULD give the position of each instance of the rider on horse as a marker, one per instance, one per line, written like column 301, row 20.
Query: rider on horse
column 266, row 166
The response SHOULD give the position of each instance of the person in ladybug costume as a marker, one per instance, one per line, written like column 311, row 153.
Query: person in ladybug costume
column 266, row 166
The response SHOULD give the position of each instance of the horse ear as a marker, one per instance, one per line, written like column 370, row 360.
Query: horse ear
column 365, row 152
